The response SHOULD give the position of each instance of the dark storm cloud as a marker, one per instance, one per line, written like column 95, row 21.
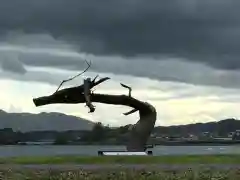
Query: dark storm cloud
column 169, row 70
column 13, row 66
column 48, row 60
column 201, row 30
column 10, row 62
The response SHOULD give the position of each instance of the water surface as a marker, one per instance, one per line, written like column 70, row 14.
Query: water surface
column 52, row 150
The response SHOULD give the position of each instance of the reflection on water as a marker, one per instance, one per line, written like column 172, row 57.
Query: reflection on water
column 50, row 150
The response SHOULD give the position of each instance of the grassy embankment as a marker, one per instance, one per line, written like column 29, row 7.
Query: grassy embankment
column 131, row 174
column 189, row 159
column 199, row 174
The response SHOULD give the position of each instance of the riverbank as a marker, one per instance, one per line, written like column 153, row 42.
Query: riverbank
column 199, row 143
column 153, row 143
column 187, row 159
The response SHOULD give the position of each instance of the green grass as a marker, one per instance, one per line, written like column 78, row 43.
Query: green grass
column 196, row 174
column 190, row 159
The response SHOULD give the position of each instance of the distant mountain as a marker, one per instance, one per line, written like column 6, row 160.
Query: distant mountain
column 221, row 127
column 61, row 122
column 43, row 121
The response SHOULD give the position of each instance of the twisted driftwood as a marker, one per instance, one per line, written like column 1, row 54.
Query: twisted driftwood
column 140, row 132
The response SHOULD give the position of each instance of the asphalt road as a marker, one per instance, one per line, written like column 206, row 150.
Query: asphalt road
column 118, row 166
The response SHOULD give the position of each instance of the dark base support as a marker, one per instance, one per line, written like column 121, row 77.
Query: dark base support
column 124, row 153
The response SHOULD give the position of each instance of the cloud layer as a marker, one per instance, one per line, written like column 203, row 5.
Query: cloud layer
column 23, row 60
column 160, row 48
column 197, row 30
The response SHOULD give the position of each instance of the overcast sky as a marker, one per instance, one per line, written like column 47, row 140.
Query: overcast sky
column 180, row 55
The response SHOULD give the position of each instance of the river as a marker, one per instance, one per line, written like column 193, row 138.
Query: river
column 52, row 150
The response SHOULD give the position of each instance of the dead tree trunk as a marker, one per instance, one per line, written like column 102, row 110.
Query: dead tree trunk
column 140, row 131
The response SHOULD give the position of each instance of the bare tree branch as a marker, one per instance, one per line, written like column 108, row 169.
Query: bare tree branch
column 75, row 96
column 129, row 94
column 129, row 89
column 95, row 78
column 140, row 132
column 130, row 112
column 70, row 79
column 87, row 83
column 100, row 81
